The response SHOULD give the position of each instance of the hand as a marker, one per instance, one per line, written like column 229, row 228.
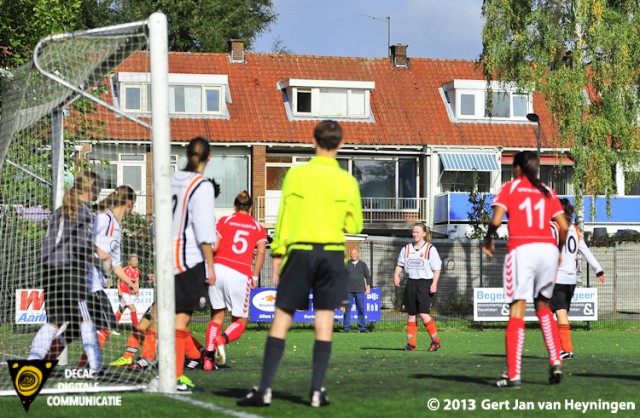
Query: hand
column 489, row 246
column 396, row 281
column 151, row 277
column 135, row 288
column 211, row 280
column 433, row 288
column 254, row 282
column 367, row 290
column 602, row 278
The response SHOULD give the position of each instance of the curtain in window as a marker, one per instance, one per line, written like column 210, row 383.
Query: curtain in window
column 333, row 102
column 185, row 99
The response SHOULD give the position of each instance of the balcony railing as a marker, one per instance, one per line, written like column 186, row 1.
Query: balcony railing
column 375, row 210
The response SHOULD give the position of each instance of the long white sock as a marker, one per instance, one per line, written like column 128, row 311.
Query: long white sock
column 91, row 345
column 42, row 342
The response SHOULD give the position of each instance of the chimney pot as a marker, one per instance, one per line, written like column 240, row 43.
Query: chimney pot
column 399, row 55
column 236, row 51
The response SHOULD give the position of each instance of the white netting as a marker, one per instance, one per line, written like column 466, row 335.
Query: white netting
column 42, row 100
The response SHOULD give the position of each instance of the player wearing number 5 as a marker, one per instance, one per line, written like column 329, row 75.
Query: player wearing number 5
column 531, row 262
column 237, row 237
column 566, row 279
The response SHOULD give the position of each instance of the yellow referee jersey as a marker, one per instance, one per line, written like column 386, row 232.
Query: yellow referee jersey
column 320, row 202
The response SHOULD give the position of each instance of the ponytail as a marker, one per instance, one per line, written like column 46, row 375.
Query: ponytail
column 243, row 201
column 528, row 163
column 84, row 181
column 119, row 197
column 197, row 152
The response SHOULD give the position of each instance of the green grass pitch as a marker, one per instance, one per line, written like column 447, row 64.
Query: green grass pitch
column 370, row 376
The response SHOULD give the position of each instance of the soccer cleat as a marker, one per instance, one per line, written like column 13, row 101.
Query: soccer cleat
column 192, row 364
column 114, row 332
column 256, row 398
column 410, row 347
column 220, row 355
column 122, row 361
column 319, row 398
column 508, row 383
column 435, row 345
column 208, row 364
column 185, row 380
column 566, row 356
column 555, row 374
column 142, row 364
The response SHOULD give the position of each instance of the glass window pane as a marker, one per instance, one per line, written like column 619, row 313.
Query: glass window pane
column 520, row 102
column 213, row 100
column 132, row 98
column 108, row 175
column 501, row 105
column 185, row 99
column 132, row 176
column 376, row 178
column 467, row 104
column 407, row 183
column 303, row 102
column 131, row 157
column 275, row 177
column 357, row 103
column 231, row 172
column 333, row 102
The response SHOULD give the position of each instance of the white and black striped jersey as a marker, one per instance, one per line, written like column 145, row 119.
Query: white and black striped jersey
column 194, row 219
column 107, row 236
column 568, row 269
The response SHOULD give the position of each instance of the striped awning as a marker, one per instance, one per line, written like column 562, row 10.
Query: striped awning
column 458, row 161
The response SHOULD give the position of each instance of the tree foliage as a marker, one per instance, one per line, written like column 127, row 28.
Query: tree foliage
column 583, row 55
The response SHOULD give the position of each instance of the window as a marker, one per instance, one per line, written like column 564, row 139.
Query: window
column 136, row 97
column 391, row 179
column 230, row 171
column 558, row 178
column 462, row 181
column 190, row 100
column 126, row 166
column 213, row 100
column 327, row 98
column 500, row 102
column 468, row 104
column 520, row 105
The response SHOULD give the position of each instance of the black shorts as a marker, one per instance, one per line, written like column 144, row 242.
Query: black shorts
column 191, row 290
column 63, row 292
column 561, row 298
column 101, row 312
column 147, row 313
column 318, row 269
column 417, row 298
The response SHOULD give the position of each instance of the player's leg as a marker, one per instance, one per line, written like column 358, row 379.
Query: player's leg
column 135, row 340
column 410, row 306
column 424, row 301
column 134, row 315
column 362, row 318
column 560, row 304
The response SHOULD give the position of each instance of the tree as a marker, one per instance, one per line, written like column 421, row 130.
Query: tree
column 201, row 25
column 564, row 49
column 480, row 212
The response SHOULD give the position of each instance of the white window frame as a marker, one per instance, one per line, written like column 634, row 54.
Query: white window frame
column 293, row 86
column 144, row 96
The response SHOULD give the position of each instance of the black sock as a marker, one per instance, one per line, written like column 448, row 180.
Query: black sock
column 273, row 351
column 321, row 355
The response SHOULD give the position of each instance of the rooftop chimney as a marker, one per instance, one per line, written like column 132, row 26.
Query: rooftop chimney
column 236, row 51
column 399, row 55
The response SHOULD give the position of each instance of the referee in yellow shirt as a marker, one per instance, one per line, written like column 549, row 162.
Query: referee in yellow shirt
column 320, row 202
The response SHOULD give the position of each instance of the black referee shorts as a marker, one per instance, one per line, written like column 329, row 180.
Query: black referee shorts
column 191, row 290
column 101, row 311
column 562, row 295
column 417, row 299
column 313, row 266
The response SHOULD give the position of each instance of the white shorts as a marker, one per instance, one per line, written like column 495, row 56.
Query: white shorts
column 126, row 299
column 530, row 271
column 232, row 290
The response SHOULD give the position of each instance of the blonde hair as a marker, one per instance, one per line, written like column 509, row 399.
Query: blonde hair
column 427, row 237
column 84, row 182
column 119, row 197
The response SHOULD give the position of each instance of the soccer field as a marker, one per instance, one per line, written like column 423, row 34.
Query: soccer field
column 370, row 376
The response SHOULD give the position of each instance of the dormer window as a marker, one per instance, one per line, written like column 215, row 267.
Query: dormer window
column 189, row 94
column 326, row 98
column 468, row 101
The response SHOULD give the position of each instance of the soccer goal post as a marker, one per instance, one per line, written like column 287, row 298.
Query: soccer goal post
column 88, row 102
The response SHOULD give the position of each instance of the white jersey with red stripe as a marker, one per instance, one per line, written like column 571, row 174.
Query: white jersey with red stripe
column 194, row 219
column 106, row 236
column 239, row 234
column 568, row 270
column 420, row 263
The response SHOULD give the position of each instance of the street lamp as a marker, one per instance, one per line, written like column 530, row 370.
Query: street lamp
column 533, row 117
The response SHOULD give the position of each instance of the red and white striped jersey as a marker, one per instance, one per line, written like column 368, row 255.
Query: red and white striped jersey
column 194, row 219
column 239, row 234
column 529, row 212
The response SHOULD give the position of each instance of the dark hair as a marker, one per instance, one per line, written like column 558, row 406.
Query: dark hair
column 197, row 152
column 328, row 134
column 243, row 201
column 568, row 208
column 216, row 187
column 528, row 163
column 120, row 196
column 83, row 182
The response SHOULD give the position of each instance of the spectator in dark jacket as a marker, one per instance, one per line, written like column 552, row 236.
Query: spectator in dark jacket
column 358, row 285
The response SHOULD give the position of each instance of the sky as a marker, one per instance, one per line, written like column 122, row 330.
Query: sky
column 431, row 28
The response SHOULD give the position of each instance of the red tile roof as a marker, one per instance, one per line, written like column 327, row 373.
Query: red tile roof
column 406, row 103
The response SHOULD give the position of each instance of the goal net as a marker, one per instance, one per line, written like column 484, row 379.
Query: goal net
column 81, row 105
